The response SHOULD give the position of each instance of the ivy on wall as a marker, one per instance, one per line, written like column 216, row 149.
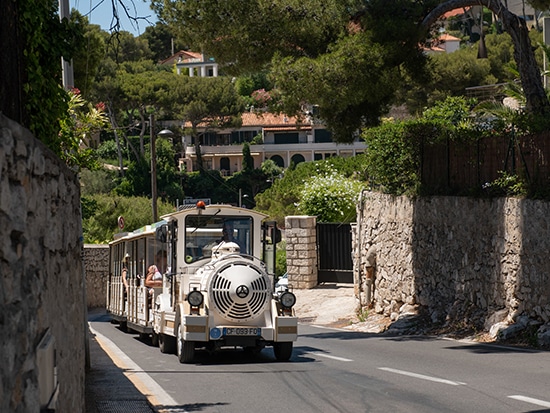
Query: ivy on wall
column 45, row 40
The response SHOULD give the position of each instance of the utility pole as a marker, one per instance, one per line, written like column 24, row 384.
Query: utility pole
column 153, row 167
column 67, row 67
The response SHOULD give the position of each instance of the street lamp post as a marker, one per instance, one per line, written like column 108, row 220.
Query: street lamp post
column 163, row 133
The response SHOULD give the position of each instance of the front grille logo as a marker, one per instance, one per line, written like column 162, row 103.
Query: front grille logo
column 242, row 291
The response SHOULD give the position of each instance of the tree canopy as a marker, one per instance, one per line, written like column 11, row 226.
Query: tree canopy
column 536, row 99
column 347, row 57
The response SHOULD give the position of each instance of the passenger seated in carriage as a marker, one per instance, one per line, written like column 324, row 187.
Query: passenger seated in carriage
column 154, row 273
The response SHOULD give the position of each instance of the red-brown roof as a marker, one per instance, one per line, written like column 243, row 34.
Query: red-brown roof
column 267, row 119
column 182, row 56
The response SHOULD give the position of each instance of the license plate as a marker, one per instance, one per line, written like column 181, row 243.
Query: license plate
column 242, row 331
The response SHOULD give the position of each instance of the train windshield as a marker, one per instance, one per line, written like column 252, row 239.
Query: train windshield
column 203, row 233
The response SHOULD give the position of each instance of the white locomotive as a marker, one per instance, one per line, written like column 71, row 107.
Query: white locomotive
column 217, row 284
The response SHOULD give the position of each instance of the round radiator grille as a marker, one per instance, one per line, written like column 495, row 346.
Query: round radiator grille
column 240, row 291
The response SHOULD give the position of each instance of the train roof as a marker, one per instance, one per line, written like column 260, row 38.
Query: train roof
column 215, row 209
column 146, row 230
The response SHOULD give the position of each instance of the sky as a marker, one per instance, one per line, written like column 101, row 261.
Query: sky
column 102, row 13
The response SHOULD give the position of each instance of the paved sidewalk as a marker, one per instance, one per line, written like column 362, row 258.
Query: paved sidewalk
column 108, row 390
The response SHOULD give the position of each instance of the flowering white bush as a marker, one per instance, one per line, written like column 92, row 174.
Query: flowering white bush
column 331, row 197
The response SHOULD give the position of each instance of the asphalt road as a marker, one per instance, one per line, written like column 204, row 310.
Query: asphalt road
column 340, row 371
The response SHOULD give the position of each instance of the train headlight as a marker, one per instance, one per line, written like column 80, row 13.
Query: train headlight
column 287, row 299
column 195, row 298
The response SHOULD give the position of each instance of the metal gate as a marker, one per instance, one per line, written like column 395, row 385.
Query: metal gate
column 334, row 253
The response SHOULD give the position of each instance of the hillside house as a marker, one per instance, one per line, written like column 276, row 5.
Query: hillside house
column 281, row 138
column 192, row 64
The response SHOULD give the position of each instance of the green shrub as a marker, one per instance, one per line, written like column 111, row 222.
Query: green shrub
column 330, row 197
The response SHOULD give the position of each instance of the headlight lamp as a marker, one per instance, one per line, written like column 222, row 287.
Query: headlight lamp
column 287, row 299
column 195, row 298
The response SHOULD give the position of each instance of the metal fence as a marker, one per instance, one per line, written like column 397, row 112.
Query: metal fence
column 334, row 253
column 458, row 167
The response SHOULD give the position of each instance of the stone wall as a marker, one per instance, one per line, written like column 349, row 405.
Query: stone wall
column 476, row 261
column 96, row 263
column 301, row 251
column 42, row 289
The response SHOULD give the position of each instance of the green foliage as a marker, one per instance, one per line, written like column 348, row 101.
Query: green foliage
column 160, row 40
column 108, row 150
column 257, row 140
column 280, row 259
column 352, row 84
column 246, row 85
column 137, row 179
column 211, row 100
column 507, row 185
column 284, row 195
column 271, row 169
column 393, row 157
column 243, row 36
column 207, row 185
column 452, row 73
column 345, row 56
column 89, row 55
column 169, row 179
column 45, row 40
column 248, row 160
column 101, row 211
column 331, row 197
column 98, row 181
column 453, row 110
column 75, row 131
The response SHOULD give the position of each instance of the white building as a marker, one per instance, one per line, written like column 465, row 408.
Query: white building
column 192, row 64
column 283, row 139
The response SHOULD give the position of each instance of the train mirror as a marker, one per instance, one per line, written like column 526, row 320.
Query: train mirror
column 161, row 233
column 277, row 236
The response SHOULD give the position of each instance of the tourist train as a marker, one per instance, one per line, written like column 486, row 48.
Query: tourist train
column 215, row 272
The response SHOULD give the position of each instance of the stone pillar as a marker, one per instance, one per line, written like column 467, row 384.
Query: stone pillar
column 301, row 251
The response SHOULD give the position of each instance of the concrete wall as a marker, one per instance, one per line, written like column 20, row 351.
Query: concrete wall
column 42, row 287
column 479, row 261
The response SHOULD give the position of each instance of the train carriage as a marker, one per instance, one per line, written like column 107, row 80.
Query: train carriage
column 131, row 254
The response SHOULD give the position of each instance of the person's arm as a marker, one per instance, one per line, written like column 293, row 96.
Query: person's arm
column 125, row 279
column 149, row 282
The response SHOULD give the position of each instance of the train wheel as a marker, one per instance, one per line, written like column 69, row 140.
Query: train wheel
column 154, row 339
column 123, row 326
column 167, row 344
column 253, row 351
column 282, row 351
column 185, row 348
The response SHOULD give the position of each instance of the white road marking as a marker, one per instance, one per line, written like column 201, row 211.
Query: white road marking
column 328, row 356
column 421, row 376
column 530, row 400
column 143, row 382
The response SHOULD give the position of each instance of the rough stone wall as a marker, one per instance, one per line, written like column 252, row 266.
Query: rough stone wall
column 479, row 261
column 41, row 285
column 301, row 251
column 96, row 263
